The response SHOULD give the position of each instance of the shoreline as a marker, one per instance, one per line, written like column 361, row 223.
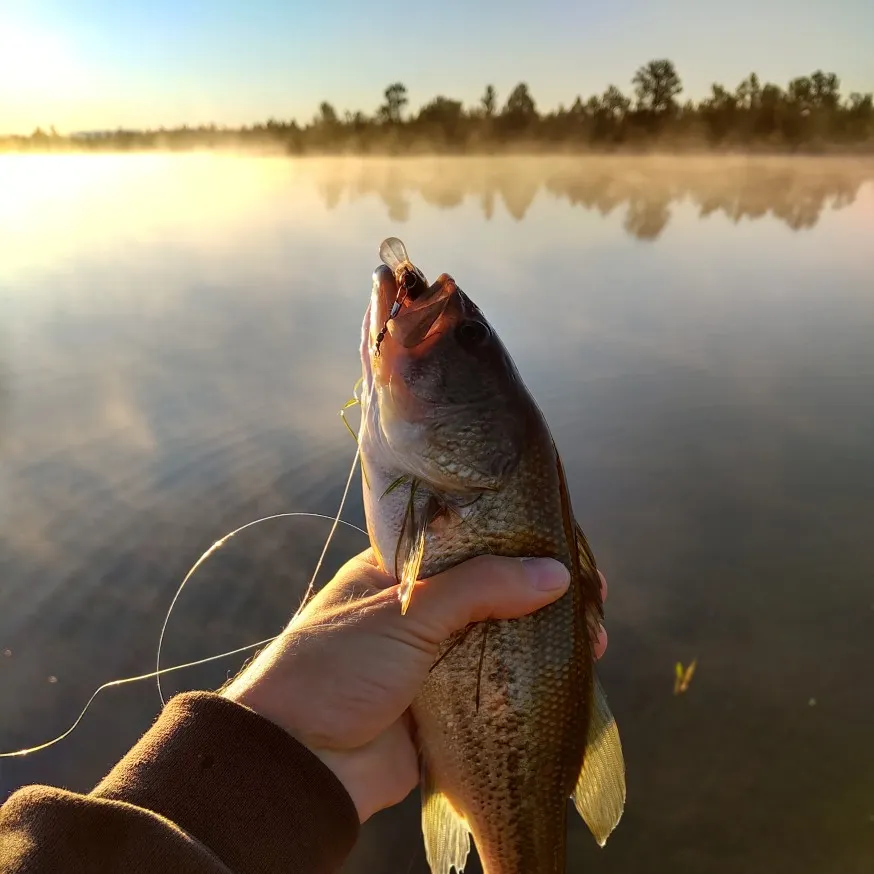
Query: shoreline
column 508, row 153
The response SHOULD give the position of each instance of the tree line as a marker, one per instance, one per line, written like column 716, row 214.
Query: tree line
column 810, row 114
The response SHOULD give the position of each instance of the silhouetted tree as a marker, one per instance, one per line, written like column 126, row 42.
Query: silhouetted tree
column 395, row 101
column 825, row 90
column 719, row 111
column 656, row 85
column 771, row 103
column 615, row 103
column 860, row 115
column 607, row 114
column 443, row 116
column 441, row 110
column 489, row 101
column 800, row 92
column 520, row 103
column 327, row 114
column 519, row 112
column 748, row 92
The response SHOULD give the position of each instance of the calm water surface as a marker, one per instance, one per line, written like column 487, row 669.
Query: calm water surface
column 178, row 333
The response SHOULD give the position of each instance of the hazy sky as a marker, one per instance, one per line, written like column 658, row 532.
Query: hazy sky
column 86, row 64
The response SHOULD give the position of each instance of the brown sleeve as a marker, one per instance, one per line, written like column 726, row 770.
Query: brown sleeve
column 211, row 788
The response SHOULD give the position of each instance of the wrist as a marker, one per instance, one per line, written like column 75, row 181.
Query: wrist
column 346, row 768
column 342, row 764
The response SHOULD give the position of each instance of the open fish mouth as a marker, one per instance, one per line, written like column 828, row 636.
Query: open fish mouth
column 407, row 322
column 407, row 313
column 403, row 308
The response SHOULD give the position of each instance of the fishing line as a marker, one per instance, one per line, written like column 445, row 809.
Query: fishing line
column 159, row 671
column 219, row 543
column 124, row 682
column 157, row 674
column 311, row 587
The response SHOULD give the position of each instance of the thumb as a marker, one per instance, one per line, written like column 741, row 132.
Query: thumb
column 486, row 587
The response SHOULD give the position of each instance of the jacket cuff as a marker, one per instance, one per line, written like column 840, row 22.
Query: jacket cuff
column 246, row 789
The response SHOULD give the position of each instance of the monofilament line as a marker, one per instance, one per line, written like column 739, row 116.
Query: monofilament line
column 124, row 682
column 159, row 671
column 336, row 520
column 219, row 543
column 156, row 674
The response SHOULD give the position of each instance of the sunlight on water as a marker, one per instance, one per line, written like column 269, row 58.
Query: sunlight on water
column 55, row 208
column 177, row 334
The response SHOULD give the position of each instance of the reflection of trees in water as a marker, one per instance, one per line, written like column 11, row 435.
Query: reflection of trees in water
column 595, row 191
column 487, row 200
column 647, row 218
column 435, row 193
column 794, row 198
column 398, row 208
column 332, row 192
column 795, row 192
column 518, row 194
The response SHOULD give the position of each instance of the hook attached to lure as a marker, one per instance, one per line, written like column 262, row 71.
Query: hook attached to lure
column 410, row 280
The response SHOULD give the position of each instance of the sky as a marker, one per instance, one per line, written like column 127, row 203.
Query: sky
column 101, row 64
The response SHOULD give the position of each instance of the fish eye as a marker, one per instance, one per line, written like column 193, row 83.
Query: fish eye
column 472, row 332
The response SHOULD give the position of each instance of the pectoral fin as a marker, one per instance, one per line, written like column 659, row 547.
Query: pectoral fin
column 599, row 796
column 412, row 566
column 410, row 550
column 447, row 836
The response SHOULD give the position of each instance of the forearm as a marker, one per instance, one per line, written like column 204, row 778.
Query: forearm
column 211, row 787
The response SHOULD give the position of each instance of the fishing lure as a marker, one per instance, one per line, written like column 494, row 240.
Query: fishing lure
column 410, row 280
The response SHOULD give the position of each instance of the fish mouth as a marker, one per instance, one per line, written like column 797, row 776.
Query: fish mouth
column 389, row 343
column 407, row 319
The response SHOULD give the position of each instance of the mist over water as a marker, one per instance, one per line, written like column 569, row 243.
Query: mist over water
column 177, row 334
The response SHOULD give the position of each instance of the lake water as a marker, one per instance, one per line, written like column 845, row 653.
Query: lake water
column 177, row 334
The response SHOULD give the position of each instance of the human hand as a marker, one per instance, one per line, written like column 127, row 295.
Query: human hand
column 341, row 677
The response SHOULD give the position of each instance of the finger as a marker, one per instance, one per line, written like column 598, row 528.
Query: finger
column 600, row 644
column 487, row 587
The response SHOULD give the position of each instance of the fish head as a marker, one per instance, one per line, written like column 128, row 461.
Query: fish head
column 442, row 400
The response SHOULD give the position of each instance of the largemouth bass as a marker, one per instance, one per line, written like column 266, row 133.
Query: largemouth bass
column 458, row 461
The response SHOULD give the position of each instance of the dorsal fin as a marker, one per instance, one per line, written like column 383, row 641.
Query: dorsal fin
column 591, row 584
column 585, row 570
column 599, row 796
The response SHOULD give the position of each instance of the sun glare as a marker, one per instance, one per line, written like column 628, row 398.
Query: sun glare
column 54, row 207
column 36, row 62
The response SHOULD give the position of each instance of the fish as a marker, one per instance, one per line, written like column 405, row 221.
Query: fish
column 458, row 461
